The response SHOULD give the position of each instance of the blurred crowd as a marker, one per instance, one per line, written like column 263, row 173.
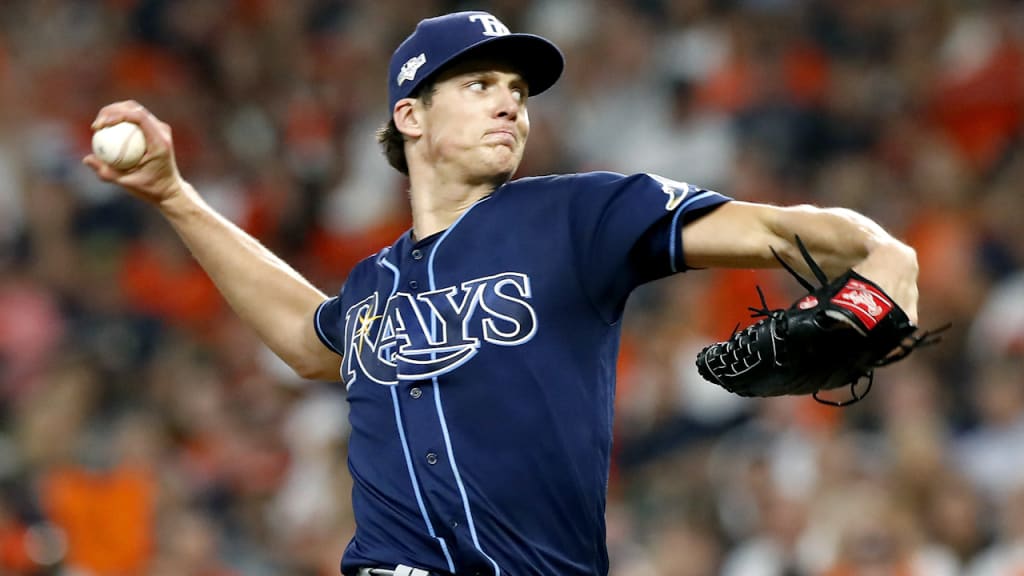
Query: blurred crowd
column 145, row 431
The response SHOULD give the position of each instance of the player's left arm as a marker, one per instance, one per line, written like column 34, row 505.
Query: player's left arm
column 743, row 234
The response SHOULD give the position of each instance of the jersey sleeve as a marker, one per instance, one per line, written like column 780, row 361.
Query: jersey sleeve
column 329, row 324
column 627, row 230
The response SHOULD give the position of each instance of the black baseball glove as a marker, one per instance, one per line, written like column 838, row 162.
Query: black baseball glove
column 832, row 337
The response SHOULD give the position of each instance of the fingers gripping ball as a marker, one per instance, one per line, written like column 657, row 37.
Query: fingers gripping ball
column 120, row 145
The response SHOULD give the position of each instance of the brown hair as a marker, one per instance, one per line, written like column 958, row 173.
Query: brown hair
column 392, row 141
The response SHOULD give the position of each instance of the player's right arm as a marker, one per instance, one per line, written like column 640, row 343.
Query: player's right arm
column 263, row 290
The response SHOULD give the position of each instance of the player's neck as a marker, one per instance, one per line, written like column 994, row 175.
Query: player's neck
column 436, row 204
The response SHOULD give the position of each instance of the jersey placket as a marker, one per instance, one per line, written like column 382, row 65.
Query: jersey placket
column 420, row 410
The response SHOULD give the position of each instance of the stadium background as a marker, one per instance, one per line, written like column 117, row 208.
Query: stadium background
column 144, row 431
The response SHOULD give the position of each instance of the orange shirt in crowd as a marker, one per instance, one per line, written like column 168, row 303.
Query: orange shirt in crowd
column 14, row 558
column 180, row 292
column 108, row 517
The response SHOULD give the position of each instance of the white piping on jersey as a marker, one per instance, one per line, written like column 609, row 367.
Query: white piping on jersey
column 437, row 397
column 675, row 227
column 319, row 331
column 382, row 259
column 415, row 482
column 405, row 445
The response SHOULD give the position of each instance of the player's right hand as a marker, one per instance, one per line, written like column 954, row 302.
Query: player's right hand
column 155, row 178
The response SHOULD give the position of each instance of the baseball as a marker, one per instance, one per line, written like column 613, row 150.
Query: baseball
column 120, row 145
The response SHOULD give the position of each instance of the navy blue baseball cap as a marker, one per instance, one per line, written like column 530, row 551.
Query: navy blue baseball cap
column 438, row 41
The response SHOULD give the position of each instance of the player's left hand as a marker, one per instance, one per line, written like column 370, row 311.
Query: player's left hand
column 834, row 336
column 893, row 267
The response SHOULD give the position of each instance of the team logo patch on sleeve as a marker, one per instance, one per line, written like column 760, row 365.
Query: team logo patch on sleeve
column 675, row 190
column 866, row 303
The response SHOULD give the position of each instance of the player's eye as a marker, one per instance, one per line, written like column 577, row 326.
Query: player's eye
column 477, row 86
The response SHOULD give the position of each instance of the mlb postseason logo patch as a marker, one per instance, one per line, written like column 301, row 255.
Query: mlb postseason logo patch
column 866, row 303
column 411, row 66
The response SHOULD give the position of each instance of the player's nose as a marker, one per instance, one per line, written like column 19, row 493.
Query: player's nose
column 508, row 102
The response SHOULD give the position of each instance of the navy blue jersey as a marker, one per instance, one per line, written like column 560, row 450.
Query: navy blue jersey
column 480, row 368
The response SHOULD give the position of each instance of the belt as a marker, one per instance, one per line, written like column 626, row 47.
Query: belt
column 399, row 570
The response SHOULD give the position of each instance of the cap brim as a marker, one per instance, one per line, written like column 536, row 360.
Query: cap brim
column 537, row 59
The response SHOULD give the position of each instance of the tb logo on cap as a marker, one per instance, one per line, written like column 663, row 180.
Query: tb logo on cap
column 492, row 26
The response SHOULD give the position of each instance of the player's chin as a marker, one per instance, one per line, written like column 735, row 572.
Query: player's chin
column 504, row 160
column 500, row 176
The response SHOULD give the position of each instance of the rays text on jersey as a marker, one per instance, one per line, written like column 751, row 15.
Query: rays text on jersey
column 421, row 336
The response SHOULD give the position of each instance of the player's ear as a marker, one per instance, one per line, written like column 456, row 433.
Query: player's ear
column 407, row 117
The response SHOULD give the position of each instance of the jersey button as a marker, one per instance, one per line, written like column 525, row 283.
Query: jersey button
column 413, row 284
column 415, row 393
column 431, row 458
column 417, row 254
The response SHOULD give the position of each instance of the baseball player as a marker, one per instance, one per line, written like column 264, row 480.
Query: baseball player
column 479, row 349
